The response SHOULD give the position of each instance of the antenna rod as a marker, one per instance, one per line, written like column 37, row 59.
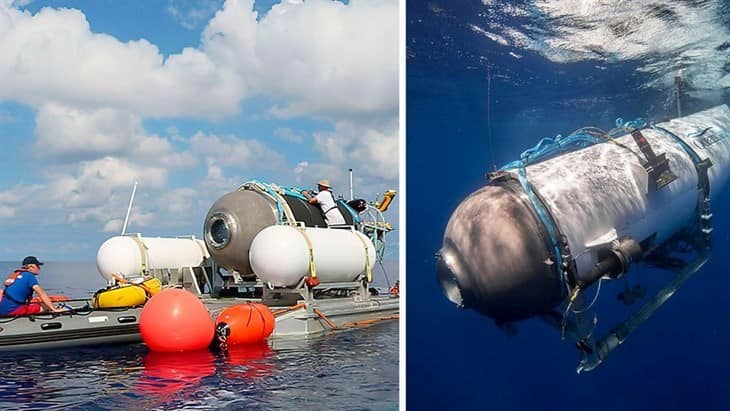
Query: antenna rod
column 352, row 197
column 489, row 117
column 129, row 209
column 678, row 86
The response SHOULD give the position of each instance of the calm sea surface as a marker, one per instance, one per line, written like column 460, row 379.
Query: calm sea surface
column 351, row 370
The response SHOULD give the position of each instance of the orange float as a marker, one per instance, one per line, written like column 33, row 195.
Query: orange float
column 175, row 320
column 246, row 323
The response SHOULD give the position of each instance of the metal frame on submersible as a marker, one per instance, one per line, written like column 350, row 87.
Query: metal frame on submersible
column 581, row 327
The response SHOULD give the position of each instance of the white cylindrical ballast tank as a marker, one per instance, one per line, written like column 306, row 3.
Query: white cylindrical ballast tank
column 280, row 255
column 128, row 256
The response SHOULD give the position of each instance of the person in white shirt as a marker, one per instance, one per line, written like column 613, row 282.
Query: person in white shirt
column 326, row 201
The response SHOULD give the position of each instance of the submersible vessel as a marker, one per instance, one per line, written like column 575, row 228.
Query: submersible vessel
column 546, row 230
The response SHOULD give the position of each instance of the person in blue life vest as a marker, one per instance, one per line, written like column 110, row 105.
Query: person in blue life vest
column 19, row 289
column 326, row 201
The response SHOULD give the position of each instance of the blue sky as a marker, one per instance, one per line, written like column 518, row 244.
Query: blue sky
column 190, row 98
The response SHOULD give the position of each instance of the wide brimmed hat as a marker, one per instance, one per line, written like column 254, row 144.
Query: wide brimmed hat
column 324, row 183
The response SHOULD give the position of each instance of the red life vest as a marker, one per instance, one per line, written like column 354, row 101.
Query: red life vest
column 10, row 281
column 13, row 276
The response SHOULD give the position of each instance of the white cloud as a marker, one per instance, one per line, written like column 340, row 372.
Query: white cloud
column 192, row 13
column 12, row 196
column 299, row 169
column 67, row 134
column 108, row 216
column 84, row 134
column 113, row 226
column 108, row 179
column 307, row 174
column 85, row 215
column 17, row 199
column 325, row 58
column 302, row 164
column 156, row 149
column 380, row 153
column 179, row 201
column 214, row 171
column 53, row 56
column 369, row 150
column 287, row 134
column 320, row 57
column 6, row 211
column 233, row 151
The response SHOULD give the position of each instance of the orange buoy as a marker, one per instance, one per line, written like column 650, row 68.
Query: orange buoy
column 245, row 323
column 175, row 320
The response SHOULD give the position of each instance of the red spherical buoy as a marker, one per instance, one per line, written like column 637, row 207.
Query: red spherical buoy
column 175, row 320
column 247, row 323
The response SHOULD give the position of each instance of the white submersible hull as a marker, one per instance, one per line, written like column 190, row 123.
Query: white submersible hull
column 537, row 235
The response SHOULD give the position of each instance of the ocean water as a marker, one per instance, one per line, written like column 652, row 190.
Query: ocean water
column 520, row 71
column 349, row 370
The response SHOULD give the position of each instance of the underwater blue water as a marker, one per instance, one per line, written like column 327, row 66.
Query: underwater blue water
column 350, row 370
column 535, row 69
